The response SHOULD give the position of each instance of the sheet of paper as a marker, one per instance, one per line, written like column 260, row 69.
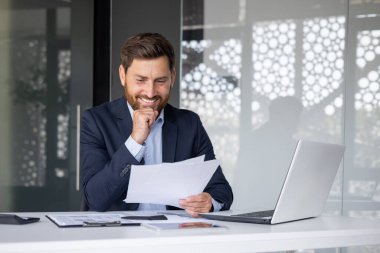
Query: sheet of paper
column 68, row 220
column 166, row 183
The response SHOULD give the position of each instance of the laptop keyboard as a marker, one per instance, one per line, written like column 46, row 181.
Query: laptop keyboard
column 268, row 213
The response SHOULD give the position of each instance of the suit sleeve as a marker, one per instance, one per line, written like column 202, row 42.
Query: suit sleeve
column 218, row 186
column 104, row 176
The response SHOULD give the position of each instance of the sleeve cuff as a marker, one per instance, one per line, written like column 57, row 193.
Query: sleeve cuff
column 137, row 150
column 217, row 206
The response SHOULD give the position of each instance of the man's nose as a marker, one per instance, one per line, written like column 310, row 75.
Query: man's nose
column 149, row 90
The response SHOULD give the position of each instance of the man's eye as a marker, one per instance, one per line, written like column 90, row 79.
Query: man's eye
column 140, row 80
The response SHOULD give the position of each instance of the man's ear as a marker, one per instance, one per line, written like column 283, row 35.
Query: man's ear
column 122, row 74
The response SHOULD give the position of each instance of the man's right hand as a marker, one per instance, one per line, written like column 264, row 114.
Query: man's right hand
column 143, row 120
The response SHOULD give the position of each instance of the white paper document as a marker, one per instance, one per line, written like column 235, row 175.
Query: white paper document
column 166, row 183
column 80, row 220
column 116, row 218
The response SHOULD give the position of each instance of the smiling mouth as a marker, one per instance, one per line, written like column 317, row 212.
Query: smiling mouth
column 149, row 101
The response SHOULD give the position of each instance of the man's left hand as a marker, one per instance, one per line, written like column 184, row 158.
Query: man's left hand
column 200, row 203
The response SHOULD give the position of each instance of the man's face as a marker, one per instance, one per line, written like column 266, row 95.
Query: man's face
column 147, row 83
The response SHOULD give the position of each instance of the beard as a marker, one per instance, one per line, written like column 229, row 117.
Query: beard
column 135, row 104
column 135, row 101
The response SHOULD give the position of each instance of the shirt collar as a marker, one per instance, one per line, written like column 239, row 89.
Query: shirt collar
column 159, row 120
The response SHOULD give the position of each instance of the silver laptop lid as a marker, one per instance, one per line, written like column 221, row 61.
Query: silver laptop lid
column 308, row 182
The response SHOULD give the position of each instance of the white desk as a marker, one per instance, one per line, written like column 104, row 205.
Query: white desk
column 322, row 232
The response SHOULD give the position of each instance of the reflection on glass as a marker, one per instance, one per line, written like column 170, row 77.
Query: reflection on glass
column 29, row 107
column 260, row 81
column 363, row 166
column 215, row 98
column 237, row 67
column 273, row 58
column 265, row 155
column 323, row 50
column 34, row 115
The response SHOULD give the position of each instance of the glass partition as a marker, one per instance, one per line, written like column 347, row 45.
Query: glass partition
column 37, row 105
column 362, row 119
column 263, row 74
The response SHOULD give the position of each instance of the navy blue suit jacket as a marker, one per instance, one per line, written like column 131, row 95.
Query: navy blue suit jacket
column 106, row 162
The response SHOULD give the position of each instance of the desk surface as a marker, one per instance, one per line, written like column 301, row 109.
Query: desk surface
column 321, row 232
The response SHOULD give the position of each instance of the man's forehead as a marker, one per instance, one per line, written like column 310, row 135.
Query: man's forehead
column 147, row 67
column 162, row 60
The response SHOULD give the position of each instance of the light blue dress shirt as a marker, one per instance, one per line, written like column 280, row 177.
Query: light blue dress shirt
column 151, row 151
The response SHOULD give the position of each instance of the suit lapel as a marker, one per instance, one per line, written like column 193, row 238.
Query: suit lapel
column 169, row 136
column 123, row 117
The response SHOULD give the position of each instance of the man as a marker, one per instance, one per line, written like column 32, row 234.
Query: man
column 141, row 128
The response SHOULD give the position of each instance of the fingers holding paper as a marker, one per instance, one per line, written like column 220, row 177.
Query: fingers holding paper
column 195, row 204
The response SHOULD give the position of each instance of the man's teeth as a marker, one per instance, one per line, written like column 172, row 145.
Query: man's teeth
column 148, row 100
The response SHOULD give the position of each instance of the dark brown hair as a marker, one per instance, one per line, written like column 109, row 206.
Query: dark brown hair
column 146, row 46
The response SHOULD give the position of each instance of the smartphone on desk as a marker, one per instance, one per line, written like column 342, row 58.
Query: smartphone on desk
column 16, row 219
column 182, row 226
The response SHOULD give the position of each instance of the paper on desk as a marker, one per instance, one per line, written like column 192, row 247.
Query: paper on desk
column 70, row 220
column 171, row 218
column 166, row 183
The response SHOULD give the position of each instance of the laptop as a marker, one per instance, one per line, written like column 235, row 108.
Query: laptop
column 304, row 192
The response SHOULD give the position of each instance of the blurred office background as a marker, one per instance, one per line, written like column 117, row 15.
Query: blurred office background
column 261, row 75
